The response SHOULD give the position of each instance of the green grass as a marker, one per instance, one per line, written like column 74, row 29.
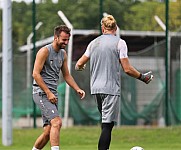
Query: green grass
column 85, row 138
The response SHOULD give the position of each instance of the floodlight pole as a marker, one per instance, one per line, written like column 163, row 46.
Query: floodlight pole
column 28, row 77
column 34, row 53
column 167, row 62
column 167, row 44
column 180, row 61
column 70, row 45
column 29, row 58
column 7, row 80
column 159, row 21
column 100, row 13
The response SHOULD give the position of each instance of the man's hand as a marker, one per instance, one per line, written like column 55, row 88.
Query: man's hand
column 52, row 98
column 146, row 77
column 77, row 68
column 81, row 93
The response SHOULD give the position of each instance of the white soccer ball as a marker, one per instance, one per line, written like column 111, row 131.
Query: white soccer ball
column 136, row 148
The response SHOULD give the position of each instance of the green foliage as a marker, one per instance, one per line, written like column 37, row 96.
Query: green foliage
column 21, row 23
column 141, row 16
column 83, row 14
column 121, row 8
column 175, row 16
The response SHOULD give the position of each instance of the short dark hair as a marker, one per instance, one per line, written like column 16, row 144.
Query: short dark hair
column 59, row 29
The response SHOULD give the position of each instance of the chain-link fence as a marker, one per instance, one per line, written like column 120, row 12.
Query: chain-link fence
column 140, row 103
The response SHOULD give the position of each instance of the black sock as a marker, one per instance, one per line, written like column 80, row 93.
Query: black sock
column 105, row 137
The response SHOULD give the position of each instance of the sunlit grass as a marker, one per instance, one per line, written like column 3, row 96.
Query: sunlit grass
column 86, row 137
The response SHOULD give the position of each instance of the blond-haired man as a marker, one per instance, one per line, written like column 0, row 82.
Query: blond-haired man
column 106, row 53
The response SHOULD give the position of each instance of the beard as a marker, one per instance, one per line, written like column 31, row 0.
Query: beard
column 61, row 45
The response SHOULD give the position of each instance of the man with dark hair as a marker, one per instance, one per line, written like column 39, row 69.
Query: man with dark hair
column 50, row 59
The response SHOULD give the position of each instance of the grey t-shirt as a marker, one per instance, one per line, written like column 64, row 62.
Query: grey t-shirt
column 51, row 70
column 105, row 52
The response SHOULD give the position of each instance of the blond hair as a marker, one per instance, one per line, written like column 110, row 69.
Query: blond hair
column 109, row 22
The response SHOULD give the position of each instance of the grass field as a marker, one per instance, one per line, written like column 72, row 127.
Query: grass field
column 85, row 138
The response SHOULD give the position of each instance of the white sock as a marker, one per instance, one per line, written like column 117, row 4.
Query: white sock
column 55, row 148
column 35, row 148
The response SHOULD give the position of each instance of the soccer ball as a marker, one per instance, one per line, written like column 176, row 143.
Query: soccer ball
column 136, row 148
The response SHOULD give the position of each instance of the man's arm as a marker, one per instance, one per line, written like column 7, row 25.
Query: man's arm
column 81, row 63
column 131, row 71
column 69, row 79
column 128, row 68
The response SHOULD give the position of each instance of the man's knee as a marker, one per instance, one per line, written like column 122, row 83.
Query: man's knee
column 56, row 122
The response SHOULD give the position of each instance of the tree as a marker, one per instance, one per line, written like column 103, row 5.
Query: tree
column 141, row 16
column 84, row 14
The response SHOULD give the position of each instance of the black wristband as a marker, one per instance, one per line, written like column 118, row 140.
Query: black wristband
column 140, row 76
